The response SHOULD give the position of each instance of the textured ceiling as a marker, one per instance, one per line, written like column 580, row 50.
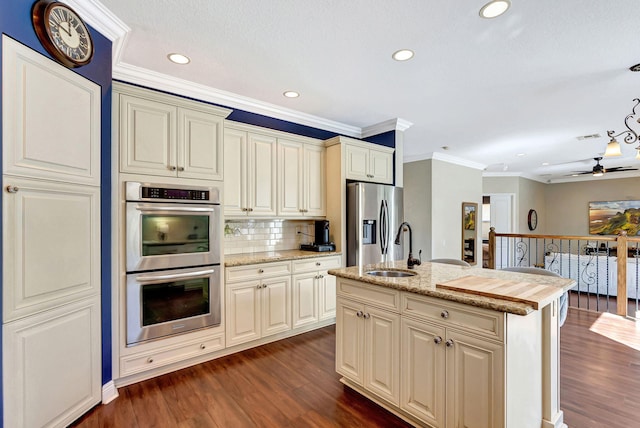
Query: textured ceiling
column 528, row 82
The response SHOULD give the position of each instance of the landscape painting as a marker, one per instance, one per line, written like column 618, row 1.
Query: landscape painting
column 612, row 217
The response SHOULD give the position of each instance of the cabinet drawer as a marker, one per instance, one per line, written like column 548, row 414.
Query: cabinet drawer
column 451, row 314
column 257, row 271
column 383, row 297
column 315, row 264
column 153, row 359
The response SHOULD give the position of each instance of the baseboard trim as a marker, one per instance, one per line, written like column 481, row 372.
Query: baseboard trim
column 109, row 392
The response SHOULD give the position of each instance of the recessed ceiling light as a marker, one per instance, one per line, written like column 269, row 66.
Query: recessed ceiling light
column 521, row 154
column 179, row 58
column 545, row 163
column 495, row 8
column 402, row 55
column 291, row 94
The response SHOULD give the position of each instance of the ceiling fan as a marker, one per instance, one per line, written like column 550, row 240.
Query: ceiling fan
column 599, row 170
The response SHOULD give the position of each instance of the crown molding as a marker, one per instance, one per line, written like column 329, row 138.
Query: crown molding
column 152, row 79
column 396, row 124
column 445, row 158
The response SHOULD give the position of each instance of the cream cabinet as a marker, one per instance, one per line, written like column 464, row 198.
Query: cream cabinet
column 301, row 179
column 369, row 162
column 168, row 136
column 258, row 301
column 313, row 290
column 250, row 174
column 449, row 359
column 369, row 340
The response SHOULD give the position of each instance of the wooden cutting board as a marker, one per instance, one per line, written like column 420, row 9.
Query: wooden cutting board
column 536, row 295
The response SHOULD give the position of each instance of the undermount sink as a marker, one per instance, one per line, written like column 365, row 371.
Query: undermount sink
column 391, row 273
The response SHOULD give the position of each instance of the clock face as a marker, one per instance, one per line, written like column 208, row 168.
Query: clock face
column 533, row 219
column 62, row 32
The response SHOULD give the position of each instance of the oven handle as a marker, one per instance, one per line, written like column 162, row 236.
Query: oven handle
column 180, row 208
column 142, row 278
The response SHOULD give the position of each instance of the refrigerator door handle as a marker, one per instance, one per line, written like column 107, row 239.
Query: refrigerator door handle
column 384, row 227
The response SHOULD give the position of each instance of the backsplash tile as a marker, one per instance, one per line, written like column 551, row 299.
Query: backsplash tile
column 250, row 236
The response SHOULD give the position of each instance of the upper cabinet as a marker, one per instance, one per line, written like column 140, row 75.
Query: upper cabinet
column 250, row 179
column 369, row 162
column 271, row 173
column 168, row 136
column 301, row 179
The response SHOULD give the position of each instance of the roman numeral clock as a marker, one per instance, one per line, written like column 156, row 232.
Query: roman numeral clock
column 62, row 33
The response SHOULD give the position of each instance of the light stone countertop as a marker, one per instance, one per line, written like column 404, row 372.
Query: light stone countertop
column 274, row 256
column 430, row 274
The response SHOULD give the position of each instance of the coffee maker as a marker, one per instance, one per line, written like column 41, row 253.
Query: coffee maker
column 321, row 238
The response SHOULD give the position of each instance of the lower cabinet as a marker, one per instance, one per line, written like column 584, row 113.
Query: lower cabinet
column 368, row 350
column 258, row 308
column 438, row 364
column 314, row 291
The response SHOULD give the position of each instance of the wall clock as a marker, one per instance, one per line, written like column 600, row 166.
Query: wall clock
column 62, row 33
column 532, row 219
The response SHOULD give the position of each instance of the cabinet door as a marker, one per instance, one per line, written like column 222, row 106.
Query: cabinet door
column 52, row 365
column 350, row 340
column 423, row 371
column 357, row 163
column 261, row 189
column 200, row 145
column 290, row 178
column 381, row 166
column 243, row 312
column 147, row 137
column 326, row 296
column 51, row 245
column 475, row 382
column 235, row 167
column 314, row 181
column 382, row 354
column 305, row 307
column 276, row 305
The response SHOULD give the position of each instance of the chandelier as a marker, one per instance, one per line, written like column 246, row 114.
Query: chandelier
column 630, row 136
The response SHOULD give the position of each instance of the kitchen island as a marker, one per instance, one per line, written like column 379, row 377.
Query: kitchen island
column 443, row 358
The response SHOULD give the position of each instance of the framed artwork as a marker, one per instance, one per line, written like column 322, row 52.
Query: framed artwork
column 469, row 215
column 612, row 217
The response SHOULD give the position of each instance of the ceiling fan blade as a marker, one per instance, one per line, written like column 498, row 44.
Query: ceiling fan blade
column 621, row 168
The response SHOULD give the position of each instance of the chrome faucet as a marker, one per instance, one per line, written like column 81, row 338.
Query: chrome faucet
column 411, row 262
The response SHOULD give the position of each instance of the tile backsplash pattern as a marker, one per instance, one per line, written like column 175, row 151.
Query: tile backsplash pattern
column 249, row 236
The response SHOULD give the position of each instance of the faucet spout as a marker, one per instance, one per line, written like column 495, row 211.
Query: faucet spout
column 411, row 261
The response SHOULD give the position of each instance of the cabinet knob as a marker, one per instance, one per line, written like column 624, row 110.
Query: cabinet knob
column 259, row 286
column 318, row 263
column 449, row 343
column 320, row 276
column 359, row 314
column 260, row 270
column 171, row 168
column 203, row 346
column 150, row 360
column 12, row 189
column 250, row 209
column 437, row 340
column 444, row 314
column 180, row 168
column 366, row 315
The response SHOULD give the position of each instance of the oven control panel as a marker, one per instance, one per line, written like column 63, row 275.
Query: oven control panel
column 166, row 193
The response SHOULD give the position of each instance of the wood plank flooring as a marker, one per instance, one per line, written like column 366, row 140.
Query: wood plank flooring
column 292, row 383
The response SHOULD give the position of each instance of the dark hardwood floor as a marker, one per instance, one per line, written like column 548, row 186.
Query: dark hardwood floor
column 292, row 383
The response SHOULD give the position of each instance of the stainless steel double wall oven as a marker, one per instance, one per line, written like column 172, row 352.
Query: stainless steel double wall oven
column 173, row 267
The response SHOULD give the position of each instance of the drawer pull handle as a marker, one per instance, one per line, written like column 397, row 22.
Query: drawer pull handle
column 437, row 340
column 367, row 315
column 444, row 314
column 203, row 346
column 150, row 360
column 359, row 314
column 449, row 343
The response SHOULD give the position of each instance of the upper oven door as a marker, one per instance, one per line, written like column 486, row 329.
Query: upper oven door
column 171, row 235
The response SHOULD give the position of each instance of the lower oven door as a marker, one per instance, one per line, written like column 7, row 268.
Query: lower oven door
column 165, row 303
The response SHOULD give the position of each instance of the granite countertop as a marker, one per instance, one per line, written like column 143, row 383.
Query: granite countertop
column 274, row 256
column 430, row 274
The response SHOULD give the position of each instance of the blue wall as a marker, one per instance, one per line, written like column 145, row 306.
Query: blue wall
column 15, row 21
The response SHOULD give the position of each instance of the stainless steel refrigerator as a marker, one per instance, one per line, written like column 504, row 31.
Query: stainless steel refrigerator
column 374, row 213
